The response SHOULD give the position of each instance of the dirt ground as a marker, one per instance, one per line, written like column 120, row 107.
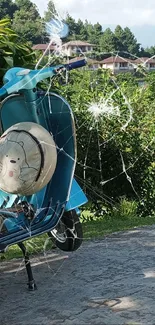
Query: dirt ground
column 105, row 282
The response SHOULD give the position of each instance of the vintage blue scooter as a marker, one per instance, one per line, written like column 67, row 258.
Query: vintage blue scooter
column 55, row 208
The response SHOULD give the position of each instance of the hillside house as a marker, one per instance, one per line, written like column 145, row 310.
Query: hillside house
column 147, row 63
column 117, row 64
column 76, row 47
column 43, row 48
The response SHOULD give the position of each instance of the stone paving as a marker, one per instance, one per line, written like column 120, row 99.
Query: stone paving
column 105, row 282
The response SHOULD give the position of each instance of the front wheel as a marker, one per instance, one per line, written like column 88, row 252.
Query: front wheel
column 68, row 234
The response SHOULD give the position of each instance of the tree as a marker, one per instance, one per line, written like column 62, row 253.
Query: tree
column 150, row 51
column 130, row 42
column 89, row 29
column 133, row 142
column 72, row 27
column 108, row 41
column 28, row 6
column 12, row 52
column 7, row 8
column 98, row 28
column 27, row 22
column 119, row 33
column 51, row 11
column 94, row 32
column 126, row 40
column 81, row 31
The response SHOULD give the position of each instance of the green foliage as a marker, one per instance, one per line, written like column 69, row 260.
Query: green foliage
column 83, row 30
column 7, row 8
column 51, row 11
column 150, row 51
column 119, row 33
column 27, row 26
column 125, row 209
column 73, row 27
column 12, row 52
column 28, row 23
column 27, row 5
column 103, row 143
column 108, row 41
column 122, row 40
column 129, row 42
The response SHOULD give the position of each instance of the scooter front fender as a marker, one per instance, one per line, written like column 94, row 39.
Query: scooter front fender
column 76, row 198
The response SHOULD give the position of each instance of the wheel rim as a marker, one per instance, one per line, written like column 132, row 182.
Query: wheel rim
column 59, row 232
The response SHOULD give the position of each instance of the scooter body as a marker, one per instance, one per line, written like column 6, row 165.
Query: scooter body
column 62, row 194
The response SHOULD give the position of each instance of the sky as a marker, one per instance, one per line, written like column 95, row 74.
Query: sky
column 138, row 15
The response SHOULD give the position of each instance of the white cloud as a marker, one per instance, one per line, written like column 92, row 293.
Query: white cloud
column 106, row 12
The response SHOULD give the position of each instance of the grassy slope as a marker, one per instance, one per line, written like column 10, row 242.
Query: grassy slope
column 92, row 230
column 98, row 229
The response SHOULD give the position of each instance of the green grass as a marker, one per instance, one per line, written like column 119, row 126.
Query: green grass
column 100, row 228
column 91, row 230
column 34, row 246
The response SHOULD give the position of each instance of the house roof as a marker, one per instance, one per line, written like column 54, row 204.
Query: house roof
column 43, row 47
column 118, row 59
column 115, row 59
column 77, row 43
column 144, row 60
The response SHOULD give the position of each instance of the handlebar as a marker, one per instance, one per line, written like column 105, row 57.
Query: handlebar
column 17, row 79
column 76, row 64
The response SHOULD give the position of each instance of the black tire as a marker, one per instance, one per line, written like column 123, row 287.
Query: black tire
column 68, row 234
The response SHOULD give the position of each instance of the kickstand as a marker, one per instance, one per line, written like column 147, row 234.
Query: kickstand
column 31, row 283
